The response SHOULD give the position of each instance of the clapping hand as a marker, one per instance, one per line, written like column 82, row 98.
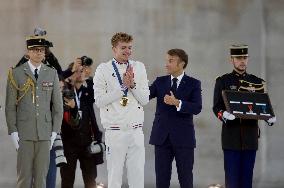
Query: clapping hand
column 171, row 99
column 128, row 77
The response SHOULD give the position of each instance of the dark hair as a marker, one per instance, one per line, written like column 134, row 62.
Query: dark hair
column 181, row 54
column 120, row 37
column 60, row 77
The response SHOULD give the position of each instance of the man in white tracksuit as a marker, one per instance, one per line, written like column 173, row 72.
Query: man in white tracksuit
column 120, row 91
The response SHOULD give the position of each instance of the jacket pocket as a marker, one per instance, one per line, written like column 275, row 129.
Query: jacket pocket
column 48, row 117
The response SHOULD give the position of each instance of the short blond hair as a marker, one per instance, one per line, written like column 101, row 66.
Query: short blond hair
column 120, row 37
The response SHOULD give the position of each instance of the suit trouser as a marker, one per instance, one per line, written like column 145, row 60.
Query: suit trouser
column 52, row 171
column 125, row 145
column 238, row 165
column 32, row 163
column 184, row 157
column 87, row 164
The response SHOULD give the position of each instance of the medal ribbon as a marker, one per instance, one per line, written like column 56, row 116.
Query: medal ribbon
column 119, row 77
column 78, row 101
column 77, row 98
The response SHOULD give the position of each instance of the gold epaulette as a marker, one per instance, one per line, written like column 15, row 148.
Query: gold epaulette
column 29, row 84
column 264, row 86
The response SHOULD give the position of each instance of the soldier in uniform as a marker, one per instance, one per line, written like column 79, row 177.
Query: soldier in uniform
column 239, row 136
column 33, row 126
column 51, row 61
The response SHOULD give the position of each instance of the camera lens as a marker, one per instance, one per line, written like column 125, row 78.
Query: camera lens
column 67, row 93
column 96, row 147
column 86, row 61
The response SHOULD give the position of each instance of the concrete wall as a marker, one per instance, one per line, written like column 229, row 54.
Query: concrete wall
column 205, row 29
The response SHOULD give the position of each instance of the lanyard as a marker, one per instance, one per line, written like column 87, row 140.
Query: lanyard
column 119, row 77
column 77, row 97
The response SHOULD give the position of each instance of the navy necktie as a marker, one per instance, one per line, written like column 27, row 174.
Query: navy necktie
column 36, row 74
column 174, row 85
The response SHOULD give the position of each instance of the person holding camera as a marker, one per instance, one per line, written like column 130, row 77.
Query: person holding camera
column 80, row 133
column 85, row 63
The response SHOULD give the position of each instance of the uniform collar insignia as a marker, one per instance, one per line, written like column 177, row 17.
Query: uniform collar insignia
column 238, row 74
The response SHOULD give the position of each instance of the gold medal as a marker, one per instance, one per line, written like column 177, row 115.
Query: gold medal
column 124, row 101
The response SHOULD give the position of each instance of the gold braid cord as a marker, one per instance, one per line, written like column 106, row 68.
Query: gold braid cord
column 256, row 88
column 29, row 84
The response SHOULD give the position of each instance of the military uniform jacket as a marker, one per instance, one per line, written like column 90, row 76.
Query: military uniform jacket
column 31, row 116
column 238, row 134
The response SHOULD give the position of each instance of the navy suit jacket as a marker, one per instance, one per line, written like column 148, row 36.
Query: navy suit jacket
column 178, row 125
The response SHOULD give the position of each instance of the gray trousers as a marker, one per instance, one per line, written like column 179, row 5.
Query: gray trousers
column 32, row 163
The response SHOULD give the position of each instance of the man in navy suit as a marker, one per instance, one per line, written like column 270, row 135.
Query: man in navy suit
column 178, row 99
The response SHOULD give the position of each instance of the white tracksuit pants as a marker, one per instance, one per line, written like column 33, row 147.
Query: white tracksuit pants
column 125, row 145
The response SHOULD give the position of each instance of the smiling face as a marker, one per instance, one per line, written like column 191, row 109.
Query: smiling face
column 122, row 51
column 240, row 63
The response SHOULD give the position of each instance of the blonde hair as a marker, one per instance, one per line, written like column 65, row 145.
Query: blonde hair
column 120, row 37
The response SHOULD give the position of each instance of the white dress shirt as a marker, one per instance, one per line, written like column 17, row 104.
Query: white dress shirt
column 178, row 82
column 33, row 68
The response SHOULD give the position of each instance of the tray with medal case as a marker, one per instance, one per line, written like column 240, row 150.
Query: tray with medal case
column 248, row 105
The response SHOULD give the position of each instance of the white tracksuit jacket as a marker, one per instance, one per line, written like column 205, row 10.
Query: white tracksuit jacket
column 108, row 92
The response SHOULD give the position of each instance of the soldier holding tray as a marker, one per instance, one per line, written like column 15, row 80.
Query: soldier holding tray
column 239, row 136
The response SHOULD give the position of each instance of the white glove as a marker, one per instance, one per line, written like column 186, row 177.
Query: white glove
column 52, row 138
column 271, row 121
column 15, row 139
column 228, row 116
